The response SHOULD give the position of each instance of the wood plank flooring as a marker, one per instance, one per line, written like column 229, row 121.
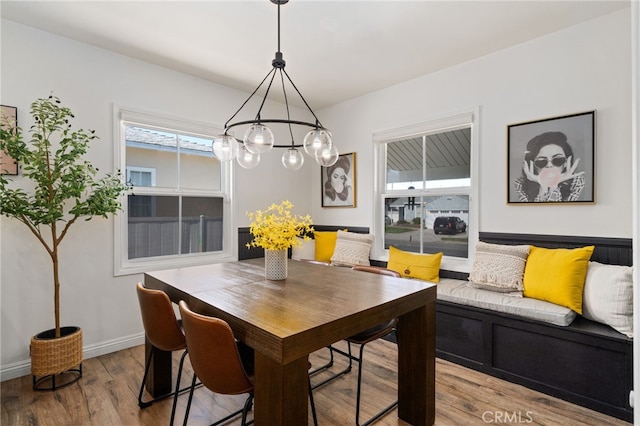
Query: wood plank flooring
column 107, row 395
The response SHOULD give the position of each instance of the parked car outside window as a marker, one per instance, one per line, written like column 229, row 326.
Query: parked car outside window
column 449, row 225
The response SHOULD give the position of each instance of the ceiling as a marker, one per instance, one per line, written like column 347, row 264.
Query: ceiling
column 335, row 50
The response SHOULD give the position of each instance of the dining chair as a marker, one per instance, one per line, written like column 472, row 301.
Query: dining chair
column 362, row 339
column 163, row 330
column 216, row 361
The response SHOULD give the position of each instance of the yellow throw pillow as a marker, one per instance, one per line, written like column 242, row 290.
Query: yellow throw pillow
column 557, row 275
column 325, row 244
column 423, row 266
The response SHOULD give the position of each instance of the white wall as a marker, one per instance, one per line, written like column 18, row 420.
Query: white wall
column 90, row 81
column 582, row 68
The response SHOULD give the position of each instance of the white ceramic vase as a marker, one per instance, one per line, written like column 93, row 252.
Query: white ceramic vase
column 275, row 264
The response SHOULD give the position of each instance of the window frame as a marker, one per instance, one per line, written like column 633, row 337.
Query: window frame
column 150, row 170
column 125, row 266
column 467, row 118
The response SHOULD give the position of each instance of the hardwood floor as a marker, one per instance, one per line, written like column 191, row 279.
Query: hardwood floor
column 107, row 395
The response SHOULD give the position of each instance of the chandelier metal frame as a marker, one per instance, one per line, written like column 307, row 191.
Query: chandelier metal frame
column 278, row 70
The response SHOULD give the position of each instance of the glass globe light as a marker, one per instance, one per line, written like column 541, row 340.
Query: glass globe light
column 316, row 140
column 258, row 138
column 328, row 156
column 247, row 159
column 292, row 159
column 225, row 147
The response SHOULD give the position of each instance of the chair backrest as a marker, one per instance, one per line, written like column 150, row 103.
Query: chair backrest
column 214, row 353
column 159, row 319
column 376, row 270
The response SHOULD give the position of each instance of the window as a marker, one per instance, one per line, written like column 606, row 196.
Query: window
column 141, row 176
column 425, row 189
column 177, row 213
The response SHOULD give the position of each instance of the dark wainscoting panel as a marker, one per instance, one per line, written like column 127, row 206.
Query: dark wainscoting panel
column 614, row 251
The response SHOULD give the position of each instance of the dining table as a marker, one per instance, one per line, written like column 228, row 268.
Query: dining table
column 284, row 321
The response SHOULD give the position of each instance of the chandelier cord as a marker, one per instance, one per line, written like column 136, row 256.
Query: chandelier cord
column 226, row 125
column 266, row 94
column 286, row 103
column 278, row 27
column 318, row 124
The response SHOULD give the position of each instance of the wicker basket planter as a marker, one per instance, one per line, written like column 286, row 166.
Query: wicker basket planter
column 53, row 359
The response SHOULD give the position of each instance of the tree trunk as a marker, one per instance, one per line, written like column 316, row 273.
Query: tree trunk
column 56, row 289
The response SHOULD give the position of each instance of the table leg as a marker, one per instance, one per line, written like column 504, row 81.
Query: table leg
column 159, row 377
column 416, row 366
column 281, row 392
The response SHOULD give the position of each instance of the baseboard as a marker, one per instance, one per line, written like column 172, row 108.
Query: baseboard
column 23, row 368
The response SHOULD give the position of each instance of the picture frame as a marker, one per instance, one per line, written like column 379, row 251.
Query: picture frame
column 552, row 161
column 8, row 117
column 338, row 182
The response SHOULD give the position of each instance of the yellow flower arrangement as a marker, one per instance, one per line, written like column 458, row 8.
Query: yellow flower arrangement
column 276, row 228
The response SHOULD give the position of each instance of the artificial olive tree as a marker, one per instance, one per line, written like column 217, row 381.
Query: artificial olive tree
column 62, row 187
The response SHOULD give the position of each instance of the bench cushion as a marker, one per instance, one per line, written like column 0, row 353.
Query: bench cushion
column 415, row 265
column 352, row 249
column 557, row 275
column 499, row 267
column 608, row 296
column 459, row 291
column 306, row 249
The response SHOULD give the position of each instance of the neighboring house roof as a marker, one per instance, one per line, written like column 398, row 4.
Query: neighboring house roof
column 137, row 137
column 440, row 203
column 447, row 203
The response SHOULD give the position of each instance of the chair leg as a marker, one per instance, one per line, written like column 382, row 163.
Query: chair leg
column 244, row 410
column 359, row 388
column 359, row 393
column 175, row 392
column 313, row 405
column 247, row 406
column 178, row 390
column 143, row 404
column 191, row 388
column 325, row 366
column 350, row 357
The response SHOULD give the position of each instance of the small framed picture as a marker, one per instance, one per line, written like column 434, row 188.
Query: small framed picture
column 339, row 182
column 8, row 118
column 552, row 160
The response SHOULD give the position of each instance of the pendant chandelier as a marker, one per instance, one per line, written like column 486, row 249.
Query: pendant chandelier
column 259, row 139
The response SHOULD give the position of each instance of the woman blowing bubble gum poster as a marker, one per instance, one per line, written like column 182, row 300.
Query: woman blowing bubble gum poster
column 339, row 182
column 552, row 161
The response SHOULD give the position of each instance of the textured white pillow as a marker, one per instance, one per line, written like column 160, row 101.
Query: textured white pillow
column 498, row 267
column 608, row 296
column 352, row 249
column 305, row 251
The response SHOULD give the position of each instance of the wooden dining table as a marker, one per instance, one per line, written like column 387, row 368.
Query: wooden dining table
column 315, row 306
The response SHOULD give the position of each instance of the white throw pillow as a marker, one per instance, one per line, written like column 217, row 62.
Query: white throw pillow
column 305, row 251
column 352, row 249
column 608, row 296
column 500, row 268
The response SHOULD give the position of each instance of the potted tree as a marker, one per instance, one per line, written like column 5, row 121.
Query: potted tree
column 57, row 188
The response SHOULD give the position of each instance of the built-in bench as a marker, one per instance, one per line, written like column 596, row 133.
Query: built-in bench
column 586, row 363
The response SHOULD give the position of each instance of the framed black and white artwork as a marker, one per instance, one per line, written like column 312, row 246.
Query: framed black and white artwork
column 552, row 160
column 339, row 182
